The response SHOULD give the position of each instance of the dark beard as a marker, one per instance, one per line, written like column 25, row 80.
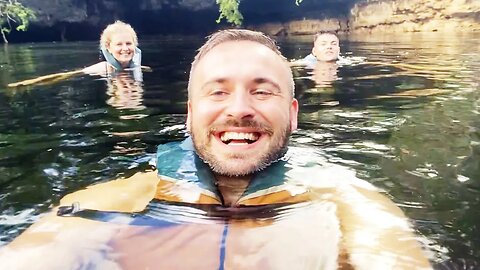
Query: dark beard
column 274, row 153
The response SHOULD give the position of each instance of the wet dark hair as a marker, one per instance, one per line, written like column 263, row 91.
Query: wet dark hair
column 324, row 32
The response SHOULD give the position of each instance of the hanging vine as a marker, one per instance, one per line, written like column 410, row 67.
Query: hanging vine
column 13, row 12
column 229, row 11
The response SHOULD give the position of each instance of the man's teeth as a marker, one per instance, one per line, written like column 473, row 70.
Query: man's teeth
column 229, row 136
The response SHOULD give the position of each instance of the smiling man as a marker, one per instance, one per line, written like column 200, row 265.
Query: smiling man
column 231, row 196
column 240, row 113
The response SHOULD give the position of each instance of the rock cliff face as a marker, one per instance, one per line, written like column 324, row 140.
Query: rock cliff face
column 84, row 19
column 391, row 16
column 304, row 27
column 416, row 16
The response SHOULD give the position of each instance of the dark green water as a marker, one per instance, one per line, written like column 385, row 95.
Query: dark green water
column 408, row 122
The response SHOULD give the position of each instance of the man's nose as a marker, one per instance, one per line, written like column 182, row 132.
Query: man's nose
column 240, row 105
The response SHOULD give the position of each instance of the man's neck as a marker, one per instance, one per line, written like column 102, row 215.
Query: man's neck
column 231, row 188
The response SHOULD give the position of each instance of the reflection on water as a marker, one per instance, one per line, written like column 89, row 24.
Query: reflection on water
column 324, row 74
column 405, row 120
column 125, row 93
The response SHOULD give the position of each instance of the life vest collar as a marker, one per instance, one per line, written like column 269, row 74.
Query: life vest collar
column 136, row 61
column 180, row 161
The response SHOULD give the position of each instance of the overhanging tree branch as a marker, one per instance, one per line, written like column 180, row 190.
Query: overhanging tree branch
column 229, row 11
column 12, row 11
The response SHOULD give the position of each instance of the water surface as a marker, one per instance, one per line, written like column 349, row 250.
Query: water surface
column 406, row 119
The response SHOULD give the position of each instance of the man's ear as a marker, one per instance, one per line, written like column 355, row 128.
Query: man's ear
column 294, row 115
column 189, row 112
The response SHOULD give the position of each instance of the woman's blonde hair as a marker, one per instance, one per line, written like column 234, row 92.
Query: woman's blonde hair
column 117, row 27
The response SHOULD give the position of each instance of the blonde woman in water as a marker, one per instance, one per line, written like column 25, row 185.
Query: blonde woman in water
column 118, row 44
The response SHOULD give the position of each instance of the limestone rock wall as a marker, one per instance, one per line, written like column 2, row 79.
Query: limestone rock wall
column 391, row 16
column 416, row 15
column 304, row 27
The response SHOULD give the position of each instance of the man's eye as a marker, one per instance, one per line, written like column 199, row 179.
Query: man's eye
column 262, row 92
column 218, row 94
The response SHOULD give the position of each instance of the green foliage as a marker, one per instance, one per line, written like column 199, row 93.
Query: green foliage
column 11, row 11
column 229, row 11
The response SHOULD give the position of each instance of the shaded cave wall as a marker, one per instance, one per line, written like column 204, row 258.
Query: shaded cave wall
column 85, row 19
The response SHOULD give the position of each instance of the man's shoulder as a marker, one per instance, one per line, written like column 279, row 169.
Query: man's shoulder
column 308, row 60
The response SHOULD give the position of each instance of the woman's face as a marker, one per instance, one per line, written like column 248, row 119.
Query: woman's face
column 122, row 47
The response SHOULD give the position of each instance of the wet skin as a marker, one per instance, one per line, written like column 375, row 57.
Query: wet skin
column 241, row 110
column 326, row 48
column 122, row 47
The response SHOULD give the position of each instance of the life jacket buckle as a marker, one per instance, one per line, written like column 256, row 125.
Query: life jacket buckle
column 69, row 210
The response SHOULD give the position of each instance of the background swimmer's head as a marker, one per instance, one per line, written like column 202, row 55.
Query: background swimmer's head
column 326, row 46
column 236, row 35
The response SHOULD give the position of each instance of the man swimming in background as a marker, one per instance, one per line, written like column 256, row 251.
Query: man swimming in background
column 253, row 204
column 326, row 48
column 324, row 58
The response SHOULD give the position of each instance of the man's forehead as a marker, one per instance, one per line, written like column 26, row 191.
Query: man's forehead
column 239, row 59
column 232, row 52
column 245, row 47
